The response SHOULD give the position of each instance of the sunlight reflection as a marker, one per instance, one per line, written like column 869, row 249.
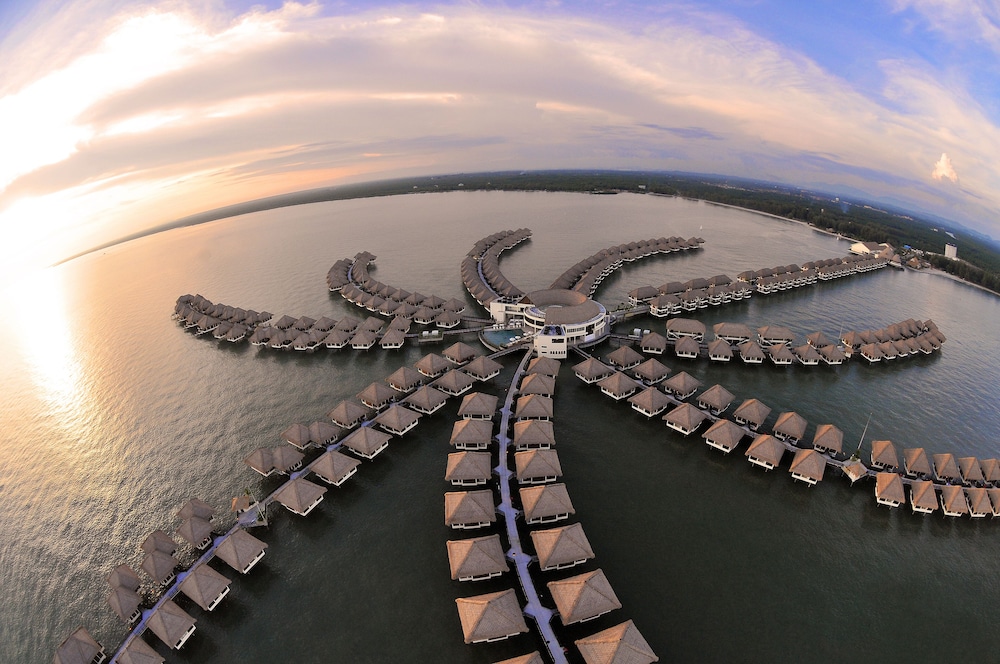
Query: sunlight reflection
column 38, row 306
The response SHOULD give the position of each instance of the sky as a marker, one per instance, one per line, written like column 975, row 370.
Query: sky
column 120, row 115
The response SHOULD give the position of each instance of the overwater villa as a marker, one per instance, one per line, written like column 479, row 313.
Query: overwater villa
column 160, row 567
column 971, row 472
column 854, row 470
column 197, row 532
column 80, row 648
column 533, row 434
column 751, row 413
column 832, row 355
column 392, row 339
column 367, row 442
column 478, row 406
column 953, row 501
column 335, row 468
column 491, row 617
column 889, row 489
column 884, row 456
column 687, row 348
column 994, row 495
column 583, row 597
column 807, row 355
column 125, row 602
column 546, row 503
column 324, row 433
column 171, row 624
column 405, row 379
column 205, row 586
column 377, row 395
column 775, row 334
column 621, row 644
column 241, row 551
column 300, row 496
column 978, row 501
column 533, row 407
column 991, row 469
column 348, row 414
column 751, row 352
column 765, row 451
column 139, row 652
column 715, row 399
column 828, row 439
column 472, row 435
column 397, row 419
column 653, row 343
column 537, row 466
column 468, row 510
column 286, row 459
column 159, row 541
column 426, row 400
column 724, row 435
column 483, row 368
column 651, row 371
column 592, row 370
column 780, row 355
column 923, row 498
column 790, row 427
column 546, row 366
column 679, row 328
column 682, row 385
column 735, row 333
column 685, row 419
column 432, row 365
column 297, row 435
column 946, row 469
column 625, row 357
column 562, row 547
column 618, row 386
column 476, row 559
column 719, row 350
column 808, row 466
column 260, row 460
column 123, row 576
column 454, row 382
column 468, row 468
column 536, row 383
column 650, row 402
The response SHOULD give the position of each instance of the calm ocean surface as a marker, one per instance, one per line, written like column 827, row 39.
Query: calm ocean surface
column 112, row 416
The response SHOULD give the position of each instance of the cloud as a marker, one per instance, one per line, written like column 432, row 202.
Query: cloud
column 944, row 170
column 217, row 108
column 959, row 20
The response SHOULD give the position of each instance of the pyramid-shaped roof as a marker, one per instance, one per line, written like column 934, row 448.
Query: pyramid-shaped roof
column 322, row 433
column 77, row 648
column 482, row 367
column 624, row 357
column 884, row 452
column 583, row 596
column 239, row 549
column 537, row 463
column 348, row 413
column 791, row 424
column 195, row 530
column 333, row 466
column 159, row 541
column 285, row 458
column 545, row 501
column 915, row 461
column 432, row 364
column 479, row 556
column 169, row 622
column 922, row 495
column 426, row 398
column 124, row 602
column 544, row 365
column 650, row 400
column 530, row 658
column 459, row 353
column 970, row 469
column 472, row 432
column 533, row 405
column 196, row 507
column 397, row 418
column 652, row 370
column 829, row 437
column 490, row 616
column 724, row 433
column 753, row 411
column 478, row 404
column 618, row 384
column 461, row 507
column 139, row 652
column 686, row 416
column 716, row 397
column 534, row 432
column 537, row 383
column 766, row 448
column 682, row 383
column 945, row 467
column 203, row 585
column 377, row 394
column 366, row 440
column 561, row 546
column 124, row 576
column 404, row 379
column 159, row 565
column 592, row 369
column 621, row 644
column 808, row 463
column 454, row 381
column 298, row 494
column 889, row 486
column 468, row 465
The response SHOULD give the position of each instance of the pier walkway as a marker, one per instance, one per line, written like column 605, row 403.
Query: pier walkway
column 538, row 612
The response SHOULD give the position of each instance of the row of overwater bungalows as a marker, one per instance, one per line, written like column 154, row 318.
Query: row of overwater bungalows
column 480, row 269
column 588, row 274
column 495, row 616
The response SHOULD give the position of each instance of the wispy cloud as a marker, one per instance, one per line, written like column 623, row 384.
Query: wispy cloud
column 169, row 109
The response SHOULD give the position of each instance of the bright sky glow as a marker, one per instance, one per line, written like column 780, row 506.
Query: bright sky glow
column 163, row 108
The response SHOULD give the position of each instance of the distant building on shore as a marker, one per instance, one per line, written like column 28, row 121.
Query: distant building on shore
column 950, row 251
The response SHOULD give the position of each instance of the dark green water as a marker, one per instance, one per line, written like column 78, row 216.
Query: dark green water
column 112, row 417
